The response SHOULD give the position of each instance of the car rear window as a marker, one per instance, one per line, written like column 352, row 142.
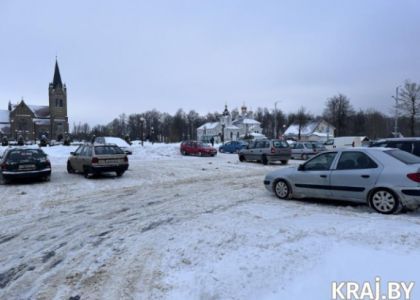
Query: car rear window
column 404, row 157
column 25, row 154
column 104, row 150
column 280, row 144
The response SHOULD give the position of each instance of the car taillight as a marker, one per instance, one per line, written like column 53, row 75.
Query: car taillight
column 414, row 176
column 273, row 150
column 126, row 159
column 95, row 160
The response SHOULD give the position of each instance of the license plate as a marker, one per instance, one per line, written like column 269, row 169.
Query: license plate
column 112, row 161
column 27, row 167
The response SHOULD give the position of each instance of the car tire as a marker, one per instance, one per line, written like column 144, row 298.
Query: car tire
column 385, row 201
column 264, row 160
column 120, row 173
column 284, row 162
column 183, row 152
column 86, row 172
column 221, row 150
column 70, row 169
column 282, row 189
column 304, row 156
column 242, row 158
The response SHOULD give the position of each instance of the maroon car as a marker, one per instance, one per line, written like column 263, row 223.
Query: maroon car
column 197, row 148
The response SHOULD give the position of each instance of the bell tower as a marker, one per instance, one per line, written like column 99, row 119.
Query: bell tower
column 57, row 93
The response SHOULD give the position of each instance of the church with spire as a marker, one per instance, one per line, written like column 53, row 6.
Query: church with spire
column 33, row 121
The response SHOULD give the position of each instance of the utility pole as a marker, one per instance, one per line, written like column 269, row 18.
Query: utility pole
column 275, row 120
column 396, row 111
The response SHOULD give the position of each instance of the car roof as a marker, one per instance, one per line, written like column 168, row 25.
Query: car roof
column 407, row 139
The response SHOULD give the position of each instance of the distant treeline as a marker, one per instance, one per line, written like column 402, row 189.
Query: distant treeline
column 338, row 111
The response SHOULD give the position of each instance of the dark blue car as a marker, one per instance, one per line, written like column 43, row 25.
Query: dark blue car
column 232, row 147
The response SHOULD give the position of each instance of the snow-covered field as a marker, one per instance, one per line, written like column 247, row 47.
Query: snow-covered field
column 178, row 227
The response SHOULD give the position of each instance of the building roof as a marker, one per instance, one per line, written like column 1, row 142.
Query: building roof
column 209, row 125
column 5, row 128
column 57, row 77
column 40, row 111
column 4, row 116
column 309, row 129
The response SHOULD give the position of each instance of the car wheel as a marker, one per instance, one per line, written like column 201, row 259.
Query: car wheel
column 86, row 172
column 304, row 156
column 281, row 189
column 183, row 152
column 70, row 169
column 221, row 150
column 120, row 173
column 384, row 201
column 284, row 162
column 264, row 160
column 241, row 158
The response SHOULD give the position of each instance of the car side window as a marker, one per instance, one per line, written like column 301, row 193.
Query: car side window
column 321, row 162
column 299, row 146
column 416, row 150
column 355, row 160
column 88, row 151
column 79, row 150
column 405, row 146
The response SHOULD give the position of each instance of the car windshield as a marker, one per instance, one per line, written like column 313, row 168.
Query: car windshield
column 403, row 156
column 25, row 154
column 280, row 144
column 204, row 145
column 103, row 150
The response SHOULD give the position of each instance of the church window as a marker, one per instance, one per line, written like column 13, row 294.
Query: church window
column 61, row 102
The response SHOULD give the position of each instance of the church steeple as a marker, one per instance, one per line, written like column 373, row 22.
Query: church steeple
column 57, row 78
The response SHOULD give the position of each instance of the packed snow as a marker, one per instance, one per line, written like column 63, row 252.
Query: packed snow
column 175, row 227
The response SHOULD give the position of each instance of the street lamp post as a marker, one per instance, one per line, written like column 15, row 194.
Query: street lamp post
column 141, row 129
column 396, row 111
column 275, row 120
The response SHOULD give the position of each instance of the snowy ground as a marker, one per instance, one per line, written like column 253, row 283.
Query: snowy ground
column 178, row 227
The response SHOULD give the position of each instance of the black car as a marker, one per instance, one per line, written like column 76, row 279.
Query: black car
column 411, row 145
column 17, row 163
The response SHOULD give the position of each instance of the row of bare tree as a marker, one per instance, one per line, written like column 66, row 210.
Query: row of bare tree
column 339, row 112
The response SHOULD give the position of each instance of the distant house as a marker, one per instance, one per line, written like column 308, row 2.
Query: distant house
column 313, row 131
column 227, row 129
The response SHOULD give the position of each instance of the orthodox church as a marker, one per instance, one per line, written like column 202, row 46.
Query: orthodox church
column 33, row 121
column 227, row 129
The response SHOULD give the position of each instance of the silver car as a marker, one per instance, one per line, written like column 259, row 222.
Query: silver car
column 266, row 151
column 384, row 178
column 305, row 150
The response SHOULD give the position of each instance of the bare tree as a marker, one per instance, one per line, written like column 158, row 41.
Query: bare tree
column 301, row 119
column 409, row 98
column 337, row 111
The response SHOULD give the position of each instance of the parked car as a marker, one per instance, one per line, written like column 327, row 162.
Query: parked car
column 304, row 150
column 347, row 141
column 91, row 159
column 17, row 163
column 411, row 145
column 266, row 151
column 126, row 147
column 386, row 179
column 232, row 146
column 197, row 148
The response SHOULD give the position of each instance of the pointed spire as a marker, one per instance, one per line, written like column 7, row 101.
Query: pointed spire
column 9, row 107
column 57, row 78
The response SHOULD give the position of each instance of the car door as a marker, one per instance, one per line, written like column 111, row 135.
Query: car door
column 228, row 147
column 354, row 175
column 249, row 152
column 297, row 150
column 313, row 177
column 75, row 160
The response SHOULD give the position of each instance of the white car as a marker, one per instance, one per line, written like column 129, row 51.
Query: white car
column 111, row 140
column 384, row 178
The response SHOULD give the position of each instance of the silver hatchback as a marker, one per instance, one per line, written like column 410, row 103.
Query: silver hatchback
column 386, row 179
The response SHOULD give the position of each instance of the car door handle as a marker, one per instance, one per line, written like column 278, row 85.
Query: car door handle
column 365, row 176
column 323, row 176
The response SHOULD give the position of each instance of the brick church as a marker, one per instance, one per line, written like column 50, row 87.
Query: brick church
column 33, row 121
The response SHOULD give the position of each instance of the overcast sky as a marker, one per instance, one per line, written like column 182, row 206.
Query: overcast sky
column 132, row 56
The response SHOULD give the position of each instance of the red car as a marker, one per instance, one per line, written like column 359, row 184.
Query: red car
column 197, row 148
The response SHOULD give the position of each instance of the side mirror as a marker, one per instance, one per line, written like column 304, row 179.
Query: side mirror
column 73, row 153
column 301, row 167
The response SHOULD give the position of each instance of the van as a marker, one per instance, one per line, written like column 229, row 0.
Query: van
column 346, row 141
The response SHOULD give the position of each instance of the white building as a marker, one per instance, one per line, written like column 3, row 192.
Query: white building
column 313, row 131
column 227, row 129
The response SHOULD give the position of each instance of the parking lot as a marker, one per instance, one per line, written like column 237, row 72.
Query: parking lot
column 175, row 227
